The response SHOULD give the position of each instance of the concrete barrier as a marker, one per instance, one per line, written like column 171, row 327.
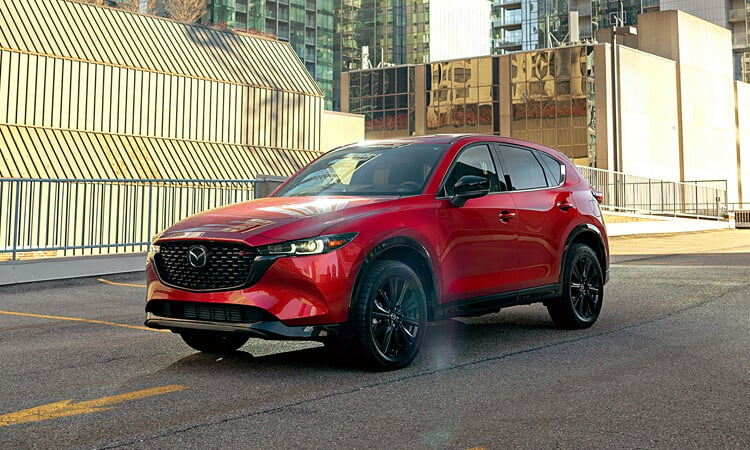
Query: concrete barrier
column 742, row 219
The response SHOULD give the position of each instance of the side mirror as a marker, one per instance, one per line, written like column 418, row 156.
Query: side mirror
column 468, row 187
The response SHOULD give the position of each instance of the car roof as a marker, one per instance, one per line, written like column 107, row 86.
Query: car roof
column 452, row 138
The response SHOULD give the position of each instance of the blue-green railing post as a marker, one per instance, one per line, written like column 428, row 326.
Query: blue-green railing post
column 16, row 220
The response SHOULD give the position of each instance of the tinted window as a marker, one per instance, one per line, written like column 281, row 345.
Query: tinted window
column 553, row 169
column 475, row 160
column 524, row 169
column 390, row 169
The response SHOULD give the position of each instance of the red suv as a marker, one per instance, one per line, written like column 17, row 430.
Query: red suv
column 368, row 242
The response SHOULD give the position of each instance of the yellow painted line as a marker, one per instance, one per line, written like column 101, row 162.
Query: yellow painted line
column 67, row 408
column 76, row 319
column 113, row 283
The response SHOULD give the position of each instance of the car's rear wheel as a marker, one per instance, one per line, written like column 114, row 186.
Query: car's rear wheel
column 390, row 316
column 583, row 290
column 214, row 342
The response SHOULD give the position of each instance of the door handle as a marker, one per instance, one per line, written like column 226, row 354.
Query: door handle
column 505, row 216
column 565, row 205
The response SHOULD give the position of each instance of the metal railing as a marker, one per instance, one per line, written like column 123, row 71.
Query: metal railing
column 58, row 217
column 49, row 218
column 628, row 193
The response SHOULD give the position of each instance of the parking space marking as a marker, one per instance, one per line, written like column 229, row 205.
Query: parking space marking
column 114, row 283
column 68, row 408
column 78, row 319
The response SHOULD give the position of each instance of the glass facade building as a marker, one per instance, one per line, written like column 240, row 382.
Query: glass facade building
column 534, row 24
column 308, row 25
column 381, row 33
column 462, row 96
column 552, row 97
column 739, row 22
column 546, row 96
column 386, row 97
column 373, row 33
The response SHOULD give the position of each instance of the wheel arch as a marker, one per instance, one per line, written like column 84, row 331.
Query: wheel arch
column 410, row 252
column 590, row 236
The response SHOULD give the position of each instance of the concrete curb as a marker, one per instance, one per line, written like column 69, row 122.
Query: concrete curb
column 665, row 226
column 15, row 272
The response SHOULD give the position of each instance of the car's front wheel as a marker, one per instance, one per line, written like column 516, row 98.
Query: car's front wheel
column 390, row 315
column 214, row 342
column 583, row 290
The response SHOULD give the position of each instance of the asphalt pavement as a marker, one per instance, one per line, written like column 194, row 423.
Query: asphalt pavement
column 665, row 366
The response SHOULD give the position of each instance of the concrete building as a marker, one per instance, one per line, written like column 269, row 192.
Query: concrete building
column 676, row 113
column 535, row 24
column 92, row 92
column 731, row 14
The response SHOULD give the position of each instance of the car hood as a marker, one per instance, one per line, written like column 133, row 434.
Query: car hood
column 274, row 219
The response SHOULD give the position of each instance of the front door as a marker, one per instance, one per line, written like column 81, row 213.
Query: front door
column 478, row 240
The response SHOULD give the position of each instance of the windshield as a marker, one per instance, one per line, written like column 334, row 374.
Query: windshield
column 381, row 169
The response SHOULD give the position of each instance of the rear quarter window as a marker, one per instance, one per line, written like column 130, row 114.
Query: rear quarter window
column 554, row 170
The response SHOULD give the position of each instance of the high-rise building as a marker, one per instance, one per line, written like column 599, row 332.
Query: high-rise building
column 380, row 33
column 535, row 24
column 306, row 24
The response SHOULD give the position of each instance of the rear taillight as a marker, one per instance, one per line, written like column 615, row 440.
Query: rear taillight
column 598, row 196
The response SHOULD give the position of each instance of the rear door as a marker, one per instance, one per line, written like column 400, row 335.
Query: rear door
column 545, row 211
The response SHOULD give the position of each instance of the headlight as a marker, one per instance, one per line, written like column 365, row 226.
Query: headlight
column 311, row 246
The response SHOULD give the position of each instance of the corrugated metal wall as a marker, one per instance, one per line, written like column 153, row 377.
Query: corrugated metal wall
column 96, row 92
column 87, row 33
column 33, row 152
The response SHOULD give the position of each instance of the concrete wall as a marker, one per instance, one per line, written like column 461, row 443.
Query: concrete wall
column 340, row 129
column 459, row 29
column 711, row 10
column 703, row 53
column 648, row 115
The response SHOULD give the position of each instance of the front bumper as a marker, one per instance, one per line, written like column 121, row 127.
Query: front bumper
column 293, row 292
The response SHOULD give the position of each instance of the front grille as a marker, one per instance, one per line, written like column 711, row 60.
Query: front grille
column 228, row 265
column 214, row 312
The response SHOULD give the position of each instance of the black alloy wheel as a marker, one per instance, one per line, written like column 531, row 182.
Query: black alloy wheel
column 390, row 316
column 583, row 290
column 214, row 342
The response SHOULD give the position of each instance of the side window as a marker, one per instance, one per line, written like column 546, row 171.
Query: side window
column 524, row 169
column 553, row 169
column 475, row 160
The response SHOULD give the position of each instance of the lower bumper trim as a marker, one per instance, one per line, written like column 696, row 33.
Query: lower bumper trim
column 263, row 330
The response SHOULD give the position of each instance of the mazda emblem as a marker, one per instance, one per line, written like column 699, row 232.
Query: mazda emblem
column 198, row 256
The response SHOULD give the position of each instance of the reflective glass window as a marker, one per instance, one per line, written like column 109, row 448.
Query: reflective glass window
column 553, row 169
column 524, row 169
column 475, row 160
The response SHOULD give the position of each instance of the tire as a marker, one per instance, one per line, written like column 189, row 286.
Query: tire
column 583, row 290
column 218, row 343
column 390, row 316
